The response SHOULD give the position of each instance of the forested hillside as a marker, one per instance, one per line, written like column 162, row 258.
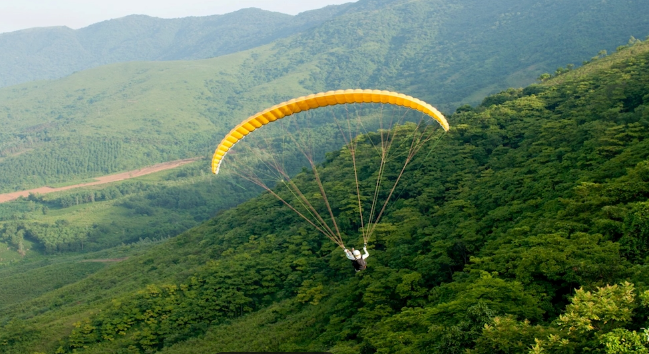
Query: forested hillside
column 445, row 52
column 89, row 219
column 525, row 230
column 54, row 52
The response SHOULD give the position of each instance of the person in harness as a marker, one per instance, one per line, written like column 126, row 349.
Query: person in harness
column 358, row 260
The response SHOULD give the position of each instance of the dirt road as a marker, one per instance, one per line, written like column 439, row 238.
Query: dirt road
column 99, row 180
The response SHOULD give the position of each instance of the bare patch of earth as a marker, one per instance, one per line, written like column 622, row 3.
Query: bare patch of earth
column 6, row 197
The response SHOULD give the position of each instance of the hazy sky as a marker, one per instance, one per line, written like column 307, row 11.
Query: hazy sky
column 21, row 14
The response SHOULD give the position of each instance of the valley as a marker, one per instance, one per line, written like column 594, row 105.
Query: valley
column 6, row 197
column 524, row 228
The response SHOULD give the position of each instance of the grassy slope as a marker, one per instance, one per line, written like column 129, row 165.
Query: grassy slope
column 444, row 52
column 24, row 285
column 37, row 275
column 529, row 186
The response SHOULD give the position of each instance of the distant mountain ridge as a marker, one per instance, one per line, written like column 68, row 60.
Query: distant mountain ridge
column 449, row 37
column 530, row 196
column 445, row 52
column 452, row 52
column 54, row 52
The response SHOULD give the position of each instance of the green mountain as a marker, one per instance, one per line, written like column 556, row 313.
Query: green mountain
column 524, row 230
column 124, row 116
column 54, row 52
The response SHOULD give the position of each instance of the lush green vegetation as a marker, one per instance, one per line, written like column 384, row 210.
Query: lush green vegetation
column 50, row 53
column 31, row 283
column 36, row 275
column 124, row 116
column 154, row 207
column 524, row 231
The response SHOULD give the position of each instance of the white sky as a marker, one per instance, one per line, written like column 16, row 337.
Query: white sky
column 20, row 14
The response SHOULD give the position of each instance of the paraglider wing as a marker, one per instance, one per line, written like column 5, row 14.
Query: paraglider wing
column 322, row 99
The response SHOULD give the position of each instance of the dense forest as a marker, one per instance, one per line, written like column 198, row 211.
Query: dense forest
column 135, row 114
column 96, row 218
column 524, row 231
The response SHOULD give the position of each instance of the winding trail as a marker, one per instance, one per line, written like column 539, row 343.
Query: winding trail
column 99, row 180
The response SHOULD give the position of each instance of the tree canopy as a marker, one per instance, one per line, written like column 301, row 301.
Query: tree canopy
column 527, row 232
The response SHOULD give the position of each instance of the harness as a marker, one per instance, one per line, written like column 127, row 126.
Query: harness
column 359, row 264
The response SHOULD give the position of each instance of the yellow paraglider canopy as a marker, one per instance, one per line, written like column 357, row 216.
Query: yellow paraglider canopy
column 322, row 99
